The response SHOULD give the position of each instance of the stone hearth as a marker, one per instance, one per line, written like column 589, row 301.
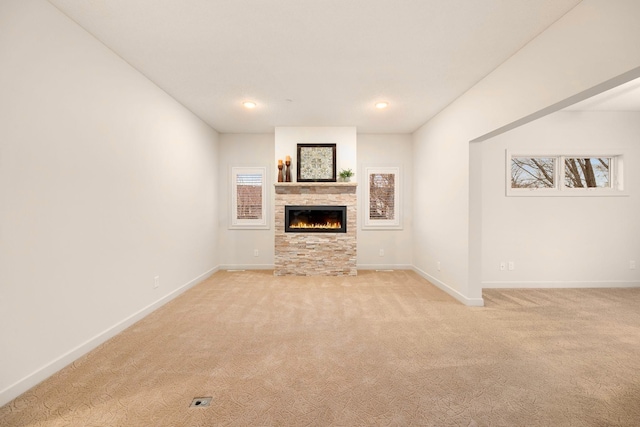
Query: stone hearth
column 315, row 254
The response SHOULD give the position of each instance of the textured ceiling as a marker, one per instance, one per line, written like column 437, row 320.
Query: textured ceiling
column 315, row 63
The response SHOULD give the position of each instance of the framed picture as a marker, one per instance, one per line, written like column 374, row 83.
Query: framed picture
column 316, row 163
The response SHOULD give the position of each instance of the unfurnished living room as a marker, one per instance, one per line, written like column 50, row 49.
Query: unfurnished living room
column 319, row 213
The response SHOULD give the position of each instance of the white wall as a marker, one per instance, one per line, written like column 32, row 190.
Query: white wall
column 563, row 241
column 105, row 183
column 287, row 138
column 594, row 42
column 397, row 245
column 237, row 246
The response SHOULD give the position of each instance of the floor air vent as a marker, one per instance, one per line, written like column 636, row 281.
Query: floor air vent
column 200, row 402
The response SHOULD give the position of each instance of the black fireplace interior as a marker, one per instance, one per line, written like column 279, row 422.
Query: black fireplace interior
column 315, row 219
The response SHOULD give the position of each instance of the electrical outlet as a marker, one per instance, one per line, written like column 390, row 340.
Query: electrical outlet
column 256, row 252
column 503, row 266
column 381, row 253
column 438, row 265
column 632, row 265
column 512, row 265
column 156, row 282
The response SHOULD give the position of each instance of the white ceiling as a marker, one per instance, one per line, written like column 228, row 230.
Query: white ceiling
column 315, row 62
column 625, row 97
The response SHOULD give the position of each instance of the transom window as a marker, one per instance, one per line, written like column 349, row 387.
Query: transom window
column 588, row 172
column 533, row 172
column 564, row 175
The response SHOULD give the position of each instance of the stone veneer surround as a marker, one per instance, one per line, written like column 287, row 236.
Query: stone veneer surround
column 315, row 254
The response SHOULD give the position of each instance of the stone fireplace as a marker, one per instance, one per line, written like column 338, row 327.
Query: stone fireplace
column 315, row 229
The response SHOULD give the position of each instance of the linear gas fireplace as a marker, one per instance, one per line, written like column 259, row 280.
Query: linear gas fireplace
column 315, row 219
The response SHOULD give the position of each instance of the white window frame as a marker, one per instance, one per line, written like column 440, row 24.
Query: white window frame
column 382, row 224
column 616, row 177
column 248, row 224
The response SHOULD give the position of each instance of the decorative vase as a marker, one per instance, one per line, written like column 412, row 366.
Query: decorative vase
column 280, row 178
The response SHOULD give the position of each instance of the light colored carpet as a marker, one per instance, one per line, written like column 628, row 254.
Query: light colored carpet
column 377, row 349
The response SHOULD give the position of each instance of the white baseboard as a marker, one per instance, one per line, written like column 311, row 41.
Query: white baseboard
column 471, row 302
column 532, row 284
column 359, row 267
column 384, row 267
column 246, row 267
column 33, row 379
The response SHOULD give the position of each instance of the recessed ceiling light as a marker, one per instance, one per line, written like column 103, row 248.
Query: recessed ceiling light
column 249, row 104
column 382, row 105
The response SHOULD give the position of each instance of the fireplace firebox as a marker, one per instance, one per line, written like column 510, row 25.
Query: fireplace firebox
column 315, row 219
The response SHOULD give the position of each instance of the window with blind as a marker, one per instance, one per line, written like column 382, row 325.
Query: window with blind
column 382, row 199
column 248, row 198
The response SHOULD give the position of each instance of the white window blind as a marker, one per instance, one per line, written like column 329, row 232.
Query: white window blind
column 249, row 195
column 382, row 196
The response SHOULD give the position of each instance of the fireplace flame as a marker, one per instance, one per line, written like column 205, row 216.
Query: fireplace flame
column 327, row 225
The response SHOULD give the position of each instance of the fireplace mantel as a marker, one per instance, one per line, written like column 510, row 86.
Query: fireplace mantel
column 284, row 187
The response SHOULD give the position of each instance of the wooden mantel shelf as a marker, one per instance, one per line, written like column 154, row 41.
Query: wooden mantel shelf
column 315, row 187
column 316, row 184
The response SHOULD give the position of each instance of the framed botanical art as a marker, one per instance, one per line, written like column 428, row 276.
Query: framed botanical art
column 316, row 163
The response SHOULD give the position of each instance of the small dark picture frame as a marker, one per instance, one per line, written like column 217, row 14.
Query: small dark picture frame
column 316, row 163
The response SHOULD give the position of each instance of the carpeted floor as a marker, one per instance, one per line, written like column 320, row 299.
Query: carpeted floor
column 382, row 348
